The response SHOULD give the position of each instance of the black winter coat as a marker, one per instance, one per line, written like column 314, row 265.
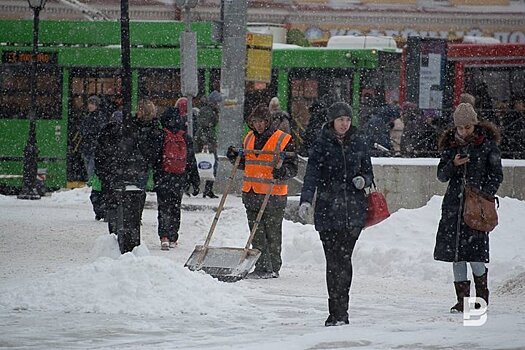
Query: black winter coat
column 91, row 126
column 331, row 167
column 118, row 160
column 168, row 182
column 455, row 241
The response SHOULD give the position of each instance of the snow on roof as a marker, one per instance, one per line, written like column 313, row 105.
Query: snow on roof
column 469, row 39
column 285, row 46
column 361, row 42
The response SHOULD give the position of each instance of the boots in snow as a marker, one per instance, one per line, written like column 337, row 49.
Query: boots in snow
column 482, row 287
column 164, row 243
column 338, row 309
column 208, row 190
column 462, row 291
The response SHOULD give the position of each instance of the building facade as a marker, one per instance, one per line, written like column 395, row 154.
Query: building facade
column 321, row 19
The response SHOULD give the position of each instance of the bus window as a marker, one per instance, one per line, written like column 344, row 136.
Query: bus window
column 163, row 88
column 308, row 85
column 15, row 91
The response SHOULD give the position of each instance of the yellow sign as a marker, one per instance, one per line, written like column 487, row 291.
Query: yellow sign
column 259, row 57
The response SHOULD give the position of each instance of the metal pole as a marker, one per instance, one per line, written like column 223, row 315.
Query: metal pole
column 29, row 190
column 126, row 66
column 232, row 74
column 189, row 115
column 126, row 115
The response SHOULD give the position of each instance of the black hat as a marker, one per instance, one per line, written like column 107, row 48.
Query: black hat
column 339, row 109
column 94, row 99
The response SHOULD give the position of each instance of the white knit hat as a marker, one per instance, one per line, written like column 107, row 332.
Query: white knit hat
column 465, row 115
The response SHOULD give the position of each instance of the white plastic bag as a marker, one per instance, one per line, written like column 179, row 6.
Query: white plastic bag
column 205, row 163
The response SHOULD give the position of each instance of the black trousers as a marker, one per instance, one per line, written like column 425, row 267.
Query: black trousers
column 98, row 200
column 338, row 248
column 168, row 207
column 130, row 213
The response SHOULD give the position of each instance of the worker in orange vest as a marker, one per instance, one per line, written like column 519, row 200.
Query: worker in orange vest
column 266, row 171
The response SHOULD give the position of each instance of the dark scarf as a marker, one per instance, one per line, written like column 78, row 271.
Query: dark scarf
column 474, row 138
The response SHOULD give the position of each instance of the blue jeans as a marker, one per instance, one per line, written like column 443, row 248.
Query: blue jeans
column 460, row 270
column 89, row 163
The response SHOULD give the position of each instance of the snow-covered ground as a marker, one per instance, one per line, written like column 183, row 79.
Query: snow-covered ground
column 64, row 285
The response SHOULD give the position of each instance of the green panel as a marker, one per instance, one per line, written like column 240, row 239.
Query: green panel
column 209, row 58
column 324, row 58
column 155, row 58
column 13, row 136
column 282, row 89
column 101, row 33
column 167, row 33
column 51, row 139
column 106, row 57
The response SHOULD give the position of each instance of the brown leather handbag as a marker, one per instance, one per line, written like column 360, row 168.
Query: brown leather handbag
column 479, row 211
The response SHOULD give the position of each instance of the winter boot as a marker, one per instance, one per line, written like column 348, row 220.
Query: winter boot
column 338, row 314
column 482, row 287
column 208, row 190
column 164, row 243
column 462, row 291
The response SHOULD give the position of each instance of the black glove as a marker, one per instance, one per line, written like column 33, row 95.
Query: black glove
column 279, row 174
column 232, row 153
column 196, row 190
column 186, row 189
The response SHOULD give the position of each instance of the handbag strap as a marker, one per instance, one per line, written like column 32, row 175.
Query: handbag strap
column 372, row 186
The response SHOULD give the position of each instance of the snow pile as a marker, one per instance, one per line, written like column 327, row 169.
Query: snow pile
column 135, row 284
column 513, row 286
column 74, row 196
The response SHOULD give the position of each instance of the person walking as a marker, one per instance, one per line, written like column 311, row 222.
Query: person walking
column 120, row 165
column 205, row 135
column 377, row 129
column 469, row 156
column 174, row 169
column 91, row 126
column 148, row 130
column 263, row 173
column 338, row 169
column 514, row 130
column 280, row 117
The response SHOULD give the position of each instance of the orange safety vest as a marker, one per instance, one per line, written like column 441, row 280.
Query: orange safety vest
column 258, row 167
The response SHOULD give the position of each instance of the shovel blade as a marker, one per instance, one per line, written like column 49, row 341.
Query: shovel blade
column 223, row 263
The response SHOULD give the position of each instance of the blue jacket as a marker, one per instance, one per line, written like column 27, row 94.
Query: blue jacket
column 331, row 167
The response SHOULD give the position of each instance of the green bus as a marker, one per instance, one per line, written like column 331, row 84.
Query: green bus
column 78, row 59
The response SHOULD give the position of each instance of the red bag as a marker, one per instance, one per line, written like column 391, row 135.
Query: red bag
column 175, row 152
column 377, row 208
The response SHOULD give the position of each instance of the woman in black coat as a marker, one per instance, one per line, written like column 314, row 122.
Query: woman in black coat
column 170, row 186
column 339, row 168
column 470, row 155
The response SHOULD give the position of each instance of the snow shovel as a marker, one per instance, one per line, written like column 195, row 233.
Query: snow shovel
column 224, row 263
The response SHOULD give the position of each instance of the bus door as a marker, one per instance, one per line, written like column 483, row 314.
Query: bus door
column 83, row 83
column 313, row 89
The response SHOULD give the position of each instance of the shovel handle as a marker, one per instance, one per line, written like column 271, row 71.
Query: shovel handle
column 219, row 210
column 260, row 213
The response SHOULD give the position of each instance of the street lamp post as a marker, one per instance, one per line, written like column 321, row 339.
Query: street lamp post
column 29, row 190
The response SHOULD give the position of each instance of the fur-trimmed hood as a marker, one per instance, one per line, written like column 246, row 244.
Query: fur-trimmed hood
column 484, row 129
